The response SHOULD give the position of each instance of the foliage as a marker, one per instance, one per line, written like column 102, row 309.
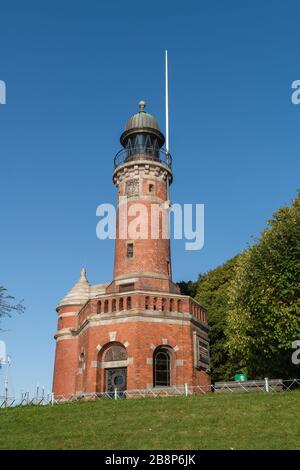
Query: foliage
column 253, row 303
column 212, row 293
column 264, row 299
column 7, row 304
column 188, row 288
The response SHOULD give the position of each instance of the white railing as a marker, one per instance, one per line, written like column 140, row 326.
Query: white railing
column 250, row 386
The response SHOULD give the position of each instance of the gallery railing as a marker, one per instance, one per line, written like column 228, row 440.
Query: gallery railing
column 141, row 152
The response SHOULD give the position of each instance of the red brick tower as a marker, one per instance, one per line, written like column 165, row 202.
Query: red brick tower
column 138, row 332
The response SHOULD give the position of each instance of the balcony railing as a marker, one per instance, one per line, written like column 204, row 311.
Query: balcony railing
column 143, row 153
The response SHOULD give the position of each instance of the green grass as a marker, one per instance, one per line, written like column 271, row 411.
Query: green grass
column 239, row 421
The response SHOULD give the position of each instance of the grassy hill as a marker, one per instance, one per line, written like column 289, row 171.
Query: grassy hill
column 240, row 421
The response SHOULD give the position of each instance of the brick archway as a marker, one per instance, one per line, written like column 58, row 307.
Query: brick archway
column 112, row 367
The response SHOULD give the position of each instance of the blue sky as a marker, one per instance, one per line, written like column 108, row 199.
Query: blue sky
column 75, row 71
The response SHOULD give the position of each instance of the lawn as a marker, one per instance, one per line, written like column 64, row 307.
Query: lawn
column 239, row 421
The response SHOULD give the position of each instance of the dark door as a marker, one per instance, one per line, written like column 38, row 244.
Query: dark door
column 115, row 378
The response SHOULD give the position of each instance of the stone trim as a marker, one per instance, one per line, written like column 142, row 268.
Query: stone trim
column 96, row 321
column 111, row 364
column 138, row 275
column 144, row 167
column 67, row 314
column 65, row 337
column 128, row 280
column 179, row 362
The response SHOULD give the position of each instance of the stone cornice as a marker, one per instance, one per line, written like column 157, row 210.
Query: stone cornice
column 139, row 315
column 147, row 167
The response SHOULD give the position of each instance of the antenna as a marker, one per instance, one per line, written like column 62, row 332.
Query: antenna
column 167, row 105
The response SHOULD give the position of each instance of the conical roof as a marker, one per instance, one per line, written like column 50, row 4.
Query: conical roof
column 79, row 294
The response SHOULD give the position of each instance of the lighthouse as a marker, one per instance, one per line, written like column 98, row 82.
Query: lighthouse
column 138, row 332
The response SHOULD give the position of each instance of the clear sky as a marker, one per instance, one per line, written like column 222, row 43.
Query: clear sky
column 75, row 71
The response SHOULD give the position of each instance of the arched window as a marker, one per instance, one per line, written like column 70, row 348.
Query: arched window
column 162, row 367
column 105, row 306
column 121, row 304
column 155, row 303
column 113, row 305
column 99, row 307
column 179, row 306
column 128, row 303
column 147, row 302
column 116, row 352
column 171, row 305
column 163, row 304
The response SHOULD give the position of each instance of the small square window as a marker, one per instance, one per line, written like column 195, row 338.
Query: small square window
column 151, row 188
column 130, row 250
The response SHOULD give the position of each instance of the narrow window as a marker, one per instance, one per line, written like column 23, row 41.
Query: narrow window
column 161, row 368
column 121, row 304
column 155, row 303
column 128, row 303
column 129, row 250
column 113, row 305
column 171, row 305
column 163, row 304
column 105, row 306
column 99, row 307
column 151, row 188
column 147, row 303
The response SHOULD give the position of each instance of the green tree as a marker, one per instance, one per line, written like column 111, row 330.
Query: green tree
column 212, row 293
column 264, row 299
column 188, row 288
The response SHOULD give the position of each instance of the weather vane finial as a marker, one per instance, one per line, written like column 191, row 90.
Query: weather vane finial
column 142, row 106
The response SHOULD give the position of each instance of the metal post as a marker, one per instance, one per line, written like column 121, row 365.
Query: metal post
column 6, row 397
column 6, row 382
column 267, row 384
column 186, row 389
column 116, row 394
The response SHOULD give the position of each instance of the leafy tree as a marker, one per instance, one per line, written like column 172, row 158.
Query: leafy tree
column 264, row 299
column 188, row 288
column 212, row 293
column 8, row 305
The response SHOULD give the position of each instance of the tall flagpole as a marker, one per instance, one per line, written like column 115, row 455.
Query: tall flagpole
column 167, row 105
column 167, row 122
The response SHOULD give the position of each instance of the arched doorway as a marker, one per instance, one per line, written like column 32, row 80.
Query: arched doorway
column 114, row 363
column 162, row 367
